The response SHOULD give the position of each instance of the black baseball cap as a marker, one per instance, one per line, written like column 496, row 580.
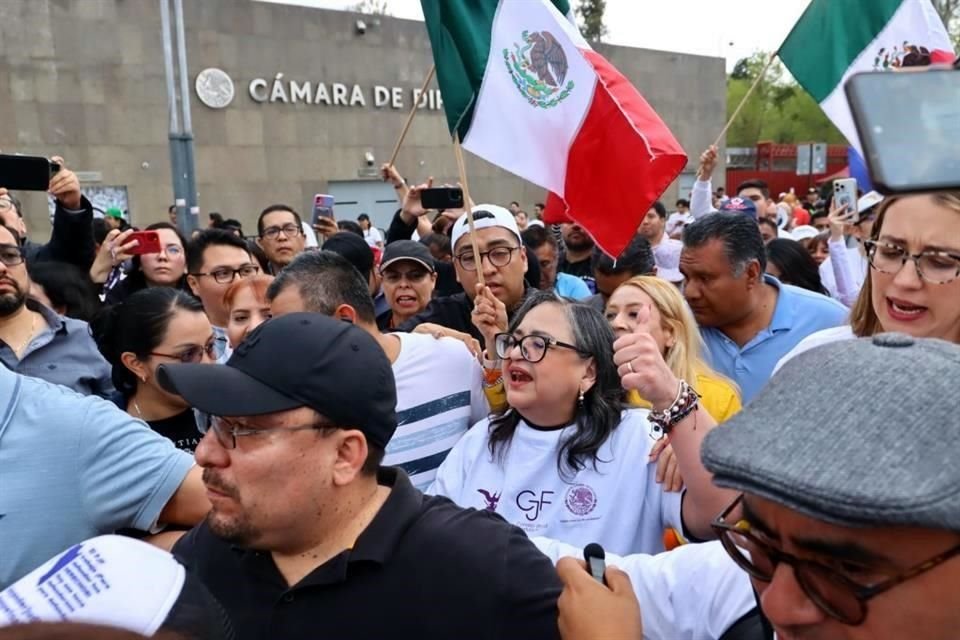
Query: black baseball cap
column 406, row 250
column 354, row 248
column 297, row 360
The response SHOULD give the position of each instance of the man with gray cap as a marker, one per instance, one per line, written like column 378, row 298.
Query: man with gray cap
column 308, row 535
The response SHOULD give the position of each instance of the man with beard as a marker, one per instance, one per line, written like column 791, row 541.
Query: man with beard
column 38, row 342
column 577, row 254
column 337, row 545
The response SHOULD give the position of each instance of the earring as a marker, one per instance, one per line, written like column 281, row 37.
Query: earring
column 581, row 397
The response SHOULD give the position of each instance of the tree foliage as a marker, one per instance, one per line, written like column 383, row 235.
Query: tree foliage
column 778, row 110
column 590, row 13
column 372, row 7
column 949, row 11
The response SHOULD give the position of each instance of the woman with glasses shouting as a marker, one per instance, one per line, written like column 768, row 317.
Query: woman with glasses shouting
column 913, row 283
column 152, row 327
column 567, row 460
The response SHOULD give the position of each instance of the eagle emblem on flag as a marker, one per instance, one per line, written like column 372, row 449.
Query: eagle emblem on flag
column 538, row 66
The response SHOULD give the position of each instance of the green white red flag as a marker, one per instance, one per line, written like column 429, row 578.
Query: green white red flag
column 527, row 93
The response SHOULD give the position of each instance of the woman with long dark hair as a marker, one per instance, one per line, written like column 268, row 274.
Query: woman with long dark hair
column 567, row 459
column 155, row 326
column 790, row 263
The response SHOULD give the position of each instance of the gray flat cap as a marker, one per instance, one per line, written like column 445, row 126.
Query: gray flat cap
column 859, row 433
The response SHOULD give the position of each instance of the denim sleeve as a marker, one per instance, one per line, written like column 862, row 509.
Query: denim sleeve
column 127, row 473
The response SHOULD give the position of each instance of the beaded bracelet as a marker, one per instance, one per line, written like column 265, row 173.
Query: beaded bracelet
column 686, row 402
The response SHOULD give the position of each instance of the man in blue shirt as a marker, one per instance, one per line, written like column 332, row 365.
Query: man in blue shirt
column 73, row 467
column 748, row 320
column 544, row 247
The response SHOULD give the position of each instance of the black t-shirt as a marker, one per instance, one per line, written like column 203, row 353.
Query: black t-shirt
column 180, row 429
column 424, row 568
column 582, row 269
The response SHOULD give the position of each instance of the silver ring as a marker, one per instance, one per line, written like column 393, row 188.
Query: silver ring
column 630, row 366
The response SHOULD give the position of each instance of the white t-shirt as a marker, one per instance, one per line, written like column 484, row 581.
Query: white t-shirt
column 439, row 395
column 372, row 236
column 819, row 338
column 619, row 505
column 694, row 592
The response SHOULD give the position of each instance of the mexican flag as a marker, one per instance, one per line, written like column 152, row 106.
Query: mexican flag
column 526, row 92
column 835, row 39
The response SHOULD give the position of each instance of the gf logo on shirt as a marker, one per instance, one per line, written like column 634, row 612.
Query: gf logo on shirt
column 532, row 504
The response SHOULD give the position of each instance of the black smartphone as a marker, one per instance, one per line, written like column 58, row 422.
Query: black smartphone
column 909, row 125
column 442, row 198
column 26, row 173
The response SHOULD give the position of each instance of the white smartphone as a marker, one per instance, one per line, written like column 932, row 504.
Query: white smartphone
column 845, row 193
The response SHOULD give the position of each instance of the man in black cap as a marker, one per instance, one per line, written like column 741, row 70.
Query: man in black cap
column 408, row 275
column 308, row 535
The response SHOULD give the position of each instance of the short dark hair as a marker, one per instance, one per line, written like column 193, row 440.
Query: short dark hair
column 350, row 226
column 230, row 224
column 171, row 208
column 755, row 184
column 659, row 208
column 325, row 281
column 100, row 230
column 796, row 265
column 536, row 236
column 211, row 238
column 272, row 209
column 683, row 202
column 740, row 235
column 441, row 241
column 363, row 218
column 216, row 218
column 516, row 203
column 637, row 259
column 66, row 287
column 770, row 223
column 138, row 325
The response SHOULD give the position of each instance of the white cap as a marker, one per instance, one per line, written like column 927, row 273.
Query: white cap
column 108, row 580
column 868, row 200
column 485, row 216
column 805, row 232
column 667, row 257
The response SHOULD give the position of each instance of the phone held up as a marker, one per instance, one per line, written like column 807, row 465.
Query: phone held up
column 441, row 198
column 845, row 194
column 322, row 207
column 147, row 242
column 26, row 173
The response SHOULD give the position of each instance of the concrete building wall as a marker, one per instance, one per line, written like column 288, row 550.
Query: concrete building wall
column 85, row 79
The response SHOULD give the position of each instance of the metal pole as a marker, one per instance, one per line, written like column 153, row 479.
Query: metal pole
column 168, row 66
column 184, row 73
column 186, row 136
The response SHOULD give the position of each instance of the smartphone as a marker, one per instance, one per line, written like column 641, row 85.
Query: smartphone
column 908, row 124
column 442, row 198
column 26, row 173
column 845, row 193
column 322, row 206
column 148, row 242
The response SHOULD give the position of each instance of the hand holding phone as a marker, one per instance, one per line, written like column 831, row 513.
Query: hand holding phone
column 322, row 207
column 26, row 173
column 845, row 196
column 441, row 198
column 147, row 242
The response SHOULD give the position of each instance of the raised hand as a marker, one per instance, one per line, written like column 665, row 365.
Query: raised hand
column 641, row 365
column 65, row 186
column 489, row 315
column 412, row 207
column 839, row 218
column 708, row 162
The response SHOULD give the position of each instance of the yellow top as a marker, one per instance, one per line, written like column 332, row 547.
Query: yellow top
column 717, row 397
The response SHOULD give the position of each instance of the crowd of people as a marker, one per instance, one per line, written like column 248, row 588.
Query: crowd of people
column 415, row 432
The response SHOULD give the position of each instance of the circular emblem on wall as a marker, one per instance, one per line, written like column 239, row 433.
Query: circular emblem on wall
column 214, row 88
column 580, row 500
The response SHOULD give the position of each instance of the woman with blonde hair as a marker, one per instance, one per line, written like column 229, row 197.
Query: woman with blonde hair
column 675, row 332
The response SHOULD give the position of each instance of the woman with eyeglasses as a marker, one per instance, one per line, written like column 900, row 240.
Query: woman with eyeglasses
column 152, row 327
column 913, row 283
column 165, row 269
column 567, row 460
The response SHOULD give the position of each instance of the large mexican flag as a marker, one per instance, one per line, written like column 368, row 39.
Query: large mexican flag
column 526, row 92
column 835, row 39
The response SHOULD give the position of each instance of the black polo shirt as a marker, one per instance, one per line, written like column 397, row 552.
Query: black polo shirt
column 424, row 568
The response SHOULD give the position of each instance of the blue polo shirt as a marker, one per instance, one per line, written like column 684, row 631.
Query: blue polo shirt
column 798, row 314
column 570, row 286
column 73, row 467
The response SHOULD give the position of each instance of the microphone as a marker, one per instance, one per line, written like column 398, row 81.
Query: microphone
column 594, row 555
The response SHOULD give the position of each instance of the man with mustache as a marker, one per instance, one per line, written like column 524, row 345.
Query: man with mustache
column 308, row 535
column 35, row 340
column 577, row 253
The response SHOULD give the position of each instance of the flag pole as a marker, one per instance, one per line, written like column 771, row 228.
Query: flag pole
column 746, row 96
column 468, row 205
column 413, row 112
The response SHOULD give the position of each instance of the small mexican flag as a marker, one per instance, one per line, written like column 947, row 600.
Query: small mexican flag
column 526, row 92
column 835, row 39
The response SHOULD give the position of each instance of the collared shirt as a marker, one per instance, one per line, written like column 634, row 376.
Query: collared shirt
column 423, row 568
column 73, row 467
column 798, row 313
column 570, row 286
column 62, row 353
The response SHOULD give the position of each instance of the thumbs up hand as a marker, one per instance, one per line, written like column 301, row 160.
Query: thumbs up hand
column 641, row 365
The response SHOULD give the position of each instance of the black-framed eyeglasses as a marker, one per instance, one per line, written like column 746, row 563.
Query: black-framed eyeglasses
column 11, row 255
column 533, row 347
column 290, row 230
column 498, row 257
column 936, row 267
column 227, row 431
column 834, row 593
column 194, row 354
column 227, row 275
